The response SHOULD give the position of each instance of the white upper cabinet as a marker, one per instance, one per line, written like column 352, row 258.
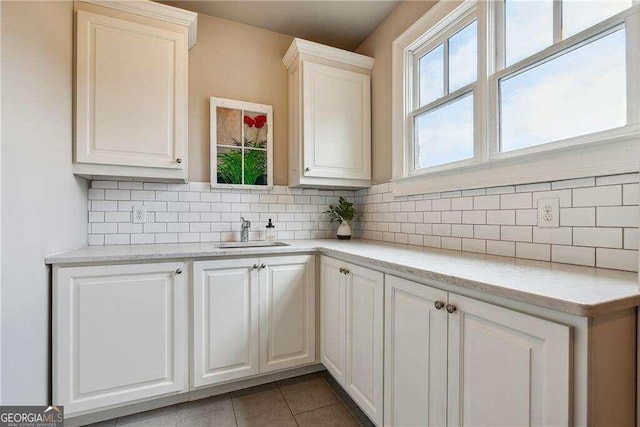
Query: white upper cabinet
column 131, row 90
column 329, row 116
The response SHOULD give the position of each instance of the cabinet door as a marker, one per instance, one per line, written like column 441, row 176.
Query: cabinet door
column 131, row 93
column 364, row 355
column 505, row 367
column 337, row 134
column 415, row 374
column 120, row 334
column 332, row 318
column 287, row 312
column 225, row 320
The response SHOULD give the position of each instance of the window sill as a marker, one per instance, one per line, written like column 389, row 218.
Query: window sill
column 605, row 158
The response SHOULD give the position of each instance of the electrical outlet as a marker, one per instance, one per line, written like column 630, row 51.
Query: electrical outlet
column 549, row 213
column 139, row 214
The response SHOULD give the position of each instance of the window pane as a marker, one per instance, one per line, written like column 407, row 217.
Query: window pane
column 581, row 92
column 432, row 75
column 528, row 28
column 463, row 57
column 578, row 15
column 445, row 135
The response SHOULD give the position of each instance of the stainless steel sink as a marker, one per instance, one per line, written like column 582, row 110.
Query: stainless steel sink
column 256, row 244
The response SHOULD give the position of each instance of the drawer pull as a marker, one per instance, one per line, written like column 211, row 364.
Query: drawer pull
column 179, row 271
column 438, row 305
column 451, row 308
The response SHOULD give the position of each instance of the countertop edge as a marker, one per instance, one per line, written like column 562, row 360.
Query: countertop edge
column 556, row 304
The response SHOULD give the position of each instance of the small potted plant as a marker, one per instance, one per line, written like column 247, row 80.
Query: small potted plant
column 343, row 212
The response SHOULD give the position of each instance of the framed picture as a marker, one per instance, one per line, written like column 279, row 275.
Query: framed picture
column 241, row 144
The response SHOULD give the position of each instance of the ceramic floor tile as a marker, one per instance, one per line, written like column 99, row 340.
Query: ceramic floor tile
column 262, row 406
column 329, row 416
column 346, row 400
column 306, row 393
column 163, row 417
column 214, row 411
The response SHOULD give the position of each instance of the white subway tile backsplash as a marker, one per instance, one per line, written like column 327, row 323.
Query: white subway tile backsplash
column 597, row 237
column 516, row 233
column 533, row 251
column 617, row 259
column 578, row 217
column 597, row 216
column 573, row 255
column 619, row 216
column 516, row 201
column 630, row 194
column 506, row 217
column 501, row 248
column 486, row 202
column 598, row 196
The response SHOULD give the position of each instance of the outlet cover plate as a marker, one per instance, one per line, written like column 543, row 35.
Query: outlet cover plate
column 139, row 214
column 549, row 213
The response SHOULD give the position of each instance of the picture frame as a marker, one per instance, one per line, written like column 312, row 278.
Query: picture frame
column 241, row 139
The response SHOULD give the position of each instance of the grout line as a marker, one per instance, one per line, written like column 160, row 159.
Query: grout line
column 286, row 403
column 233, row 408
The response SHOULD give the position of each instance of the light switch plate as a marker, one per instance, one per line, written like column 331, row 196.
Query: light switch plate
column 139, row 214
column 549, row 213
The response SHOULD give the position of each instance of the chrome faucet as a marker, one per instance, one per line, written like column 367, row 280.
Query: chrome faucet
column 244, row 230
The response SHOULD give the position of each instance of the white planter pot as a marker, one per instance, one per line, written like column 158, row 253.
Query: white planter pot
column 344, row 231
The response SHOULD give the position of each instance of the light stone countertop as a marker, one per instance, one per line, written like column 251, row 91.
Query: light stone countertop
column 582, row 291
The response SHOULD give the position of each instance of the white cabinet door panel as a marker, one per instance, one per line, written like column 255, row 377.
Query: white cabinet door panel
column 364, row 350
column 506, row 368
column 332, row 318
column 131, row 93
column 287, row 312
column 226, row 321
column 415, row 374
column 336, row 123
column 120, row 334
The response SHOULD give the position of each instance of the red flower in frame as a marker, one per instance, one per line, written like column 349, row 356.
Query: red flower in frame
column 249, row 121
column 260, row 121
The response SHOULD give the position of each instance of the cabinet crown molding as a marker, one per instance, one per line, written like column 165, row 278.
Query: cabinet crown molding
column 300, row 46
column 151, row 9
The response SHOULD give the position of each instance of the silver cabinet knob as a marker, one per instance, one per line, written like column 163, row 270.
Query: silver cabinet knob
column 178, row 160
column 263, row 265
column 341, row 270
column 346, row 271
column 307, row 169
column 451, row 308
column 438, row 305
column 255, row 266
column 179, row 271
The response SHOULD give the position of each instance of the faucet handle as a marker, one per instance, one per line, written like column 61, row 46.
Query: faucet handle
column 245, row 223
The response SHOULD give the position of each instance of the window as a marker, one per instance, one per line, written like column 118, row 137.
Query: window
column 443, row 115
column 498, row 85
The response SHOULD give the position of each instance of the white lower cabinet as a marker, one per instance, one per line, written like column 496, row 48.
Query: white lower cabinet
column 120, row 334
column 469, row 363
column 415, row 373
column 252, row 316
column 505, row 367
column 226, row 340
column 352, row 331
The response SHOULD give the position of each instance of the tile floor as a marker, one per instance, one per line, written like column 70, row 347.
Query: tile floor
column 309, row 400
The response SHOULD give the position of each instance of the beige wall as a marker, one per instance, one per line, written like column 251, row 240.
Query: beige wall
column 378, row 45
column 44, row 204
column 237, row 61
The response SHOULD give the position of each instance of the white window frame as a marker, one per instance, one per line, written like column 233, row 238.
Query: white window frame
column 602, row 153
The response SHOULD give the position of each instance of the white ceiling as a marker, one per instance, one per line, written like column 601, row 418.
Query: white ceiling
column 342, row 24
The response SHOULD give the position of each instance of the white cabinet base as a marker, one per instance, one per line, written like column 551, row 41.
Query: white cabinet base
column 120, row 334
